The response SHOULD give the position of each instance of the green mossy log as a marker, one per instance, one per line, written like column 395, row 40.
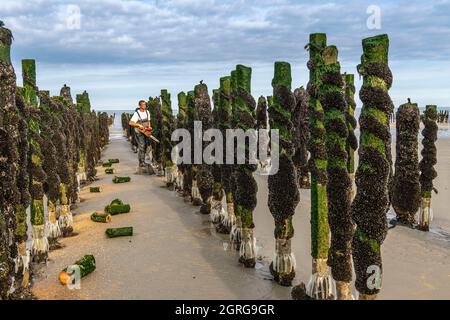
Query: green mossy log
column 320, row 231
column 121, row 179
column 284, row 195
column 245, row 184
column 339, row 186
column 301, row 137
column 110, row 171
column 86, row 264
column 119, row 232
column 118, row 209
column 113, row 161
column 101, row 217
column 372, row 177
column 95, row 189
column 406, row 185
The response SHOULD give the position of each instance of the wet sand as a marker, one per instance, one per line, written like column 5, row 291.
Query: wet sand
column 176, row 254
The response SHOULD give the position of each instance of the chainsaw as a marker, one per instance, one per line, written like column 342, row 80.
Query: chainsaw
column 148, row 132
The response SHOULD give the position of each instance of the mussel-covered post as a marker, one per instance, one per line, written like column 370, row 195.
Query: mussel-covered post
column 370, row 205
column 320, row 284
column 236, row 227
column 352, row 142
column 224, row 114
column 284, row 193
column 245, row 184
column 218, row 213
column 155, row 110
column 429, row 160
column 205, row 179
column 40, row 246
column 61, row 137
column 301, row 136
column 332, row 97
column 190, row 179
column 406, row 186
column 261, row 126
column 50, row 166
column 181, row 120
column 9, row 165
column 168, row 125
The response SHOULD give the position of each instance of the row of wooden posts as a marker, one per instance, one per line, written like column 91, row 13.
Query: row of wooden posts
column 317, row 151
column 49, row 146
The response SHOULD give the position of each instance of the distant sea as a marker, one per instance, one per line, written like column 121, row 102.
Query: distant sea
column 444, row 129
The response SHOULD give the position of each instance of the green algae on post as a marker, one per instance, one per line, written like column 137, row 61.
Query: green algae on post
column 372, row 199
column 119, row 232
column 301, row 137
column 245, row 184
column 181, row 118
column 406, row 185
column 218, row 213
column 284, row 195
column 168, row 125
column 205, row 179
column 339, row 186
column 320, row 231
column 10, row 158
column 224, row 114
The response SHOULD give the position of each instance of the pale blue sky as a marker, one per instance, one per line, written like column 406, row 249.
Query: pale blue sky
column 128, row 50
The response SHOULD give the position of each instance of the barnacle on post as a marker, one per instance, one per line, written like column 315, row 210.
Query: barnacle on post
column 372, row 177
column 205, row 179
column 245, row 184
column 301, row 137
column 406, row 184
column 429, row 160
column 284, row 193
column 168, row 126
column 339, row 185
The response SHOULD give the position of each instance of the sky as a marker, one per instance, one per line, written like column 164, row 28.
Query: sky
column 122, row 51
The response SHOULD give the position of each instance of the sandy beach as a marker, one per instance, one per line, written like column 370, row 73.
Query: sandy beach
column 176, row 254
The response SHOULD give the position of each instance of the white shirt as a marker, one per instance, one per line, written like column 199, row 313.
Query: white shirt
column 144, row 116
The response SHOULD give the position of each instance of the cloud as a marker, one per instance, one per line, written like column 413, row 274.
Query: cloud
column 201, row 34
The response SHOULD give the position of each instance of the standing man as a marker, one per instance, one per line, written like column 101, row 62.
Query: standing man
column 141, row 121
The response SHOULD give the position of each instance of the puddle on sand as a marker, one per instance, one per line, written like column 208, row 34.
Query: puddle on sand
column 440, row 234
